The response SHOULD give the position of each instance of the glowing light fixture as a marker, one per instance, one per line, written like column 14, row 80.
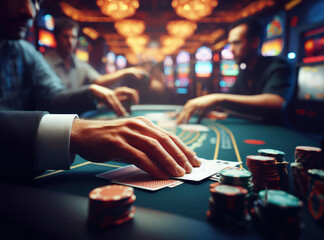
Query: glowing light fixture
column 194, row 9
column 171, row 44
column 172, row 41
column 90, row 32
column 130, row 27
column 181, row 28
column 137, row 43
column 118, row 9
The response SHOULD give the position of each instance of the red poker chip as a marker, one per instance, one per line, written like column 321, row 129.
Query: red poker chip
column 93, row 204
column 111, row 221
column 111, row 210
column 308, row 149
column 111, row 193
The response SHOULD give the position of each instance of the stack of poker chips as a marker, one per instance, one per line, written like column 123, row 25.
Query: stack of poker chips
column 237, row 177
column 281, row 165
column 110, row 206
column 278, row 214
column 227, row 206
column 306, row 158
column 264, row 172
column 316, row 195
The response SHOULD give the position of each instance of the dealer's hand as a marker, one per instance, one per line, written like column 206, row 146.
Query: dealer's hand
column 135, row 140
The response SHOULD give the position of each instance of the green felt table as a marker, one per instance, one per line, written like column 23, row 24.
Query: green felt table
column 230, row 139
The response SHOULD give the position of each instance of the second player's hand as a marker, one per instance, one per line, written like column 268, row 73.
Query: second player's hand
column 197, row 105
column 135, row 140
column 126, row 93
column 108, row 97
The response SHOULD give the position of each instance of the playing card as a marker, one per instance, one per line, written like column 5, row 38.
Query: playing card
column 206, row 169
column 135, row 177
column 119, row 172
column 145, row 181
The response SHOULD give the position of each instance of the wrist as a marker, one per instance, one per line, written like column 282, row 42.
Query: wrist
column 77, row 125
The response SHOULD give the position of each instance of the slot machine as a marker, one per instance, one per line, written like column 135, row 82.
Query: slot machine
column 203, row 71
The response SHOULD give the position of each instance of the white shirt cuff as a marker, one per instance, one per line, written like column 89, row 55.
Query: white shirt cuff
column 53, row 142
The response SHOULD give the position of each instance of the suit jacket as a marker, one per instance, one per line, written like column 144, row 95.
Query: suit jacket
column 17, row 148
column 27, row 83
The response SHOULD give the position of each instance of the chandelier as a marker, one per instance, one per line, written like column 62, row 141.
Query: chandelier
column 171, row 43
column 181, row 28
column 130, row 27
column 118, row 9
column 194, row 9
column 137, row 43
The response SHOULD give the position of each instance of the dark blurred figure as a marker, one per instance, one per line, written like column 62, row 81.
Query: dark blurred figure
column 264, row 86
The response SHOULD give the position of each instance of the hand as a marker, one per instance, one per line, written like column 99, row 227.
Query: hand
column 136, row 140
column 138, row 73
column 198, row 105
column 126, row 93
column 108, row 97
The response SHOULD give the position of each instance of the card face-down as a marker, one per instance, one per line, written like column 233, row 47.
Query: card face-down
column 135, row 177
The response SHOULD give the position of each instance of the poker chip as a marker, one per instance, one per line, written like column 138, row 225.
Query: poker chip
column 283, row 175
column 230, row 203
column 278, row 155
column 264, row 172
column 316, row 195
column 308, row 156
column 299, row 179
column 237, row 177
column 111, row 205
column 278, row 214
column 281, row 166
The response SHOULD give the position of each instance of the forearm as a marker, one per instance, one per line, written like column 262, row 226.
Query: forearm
column 77, row 101
column 266, row 106
column 266, row 100
column 110, row 79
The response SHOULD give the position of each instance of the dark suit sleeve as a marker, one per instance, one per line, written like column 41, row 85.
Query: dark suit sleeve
column 17, row 149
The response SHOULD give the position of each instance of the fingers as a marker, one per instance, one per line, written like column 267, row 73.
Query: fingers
column 117, row 107
column 141, row 160
column 185, row 114
column 158, row 155
column 180, row 153
column 125, row 93
column 189, row 154
column 108, row 97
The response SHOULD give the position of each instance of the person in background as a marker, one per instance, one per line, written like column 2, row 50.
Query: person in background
column 264, row 86
column 76, row 74
column 32, row 140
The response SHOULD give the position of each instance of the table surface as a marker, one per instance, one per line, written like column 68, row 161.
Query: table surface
column 170, row 213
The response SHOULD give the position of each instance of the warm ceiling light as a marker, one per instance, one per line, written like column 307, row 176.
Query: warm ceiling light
column 130, row 27
column 138, row 42
column 172, row 41
column 152, row 54
column 118, row 9
column 171, row 44
column 194, row 9
column 90, row 32
column 181, row 28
